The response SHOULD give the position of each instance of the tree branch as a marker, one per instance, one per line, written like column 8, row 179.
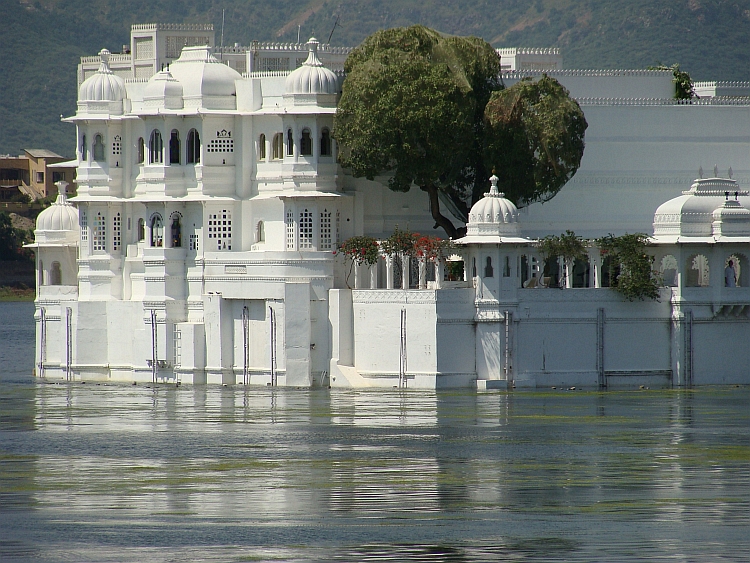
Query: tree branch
column 440, row 219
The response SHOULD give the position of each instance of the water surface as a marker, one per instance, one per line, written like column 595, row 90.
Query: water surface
column 154, row 474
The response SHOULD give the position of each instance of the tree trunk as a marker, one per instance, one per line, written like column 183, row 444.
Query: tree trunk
column 440, row 219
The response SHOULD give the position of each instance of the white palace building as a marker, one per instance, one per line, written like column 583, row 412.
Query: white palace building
column 199, row 247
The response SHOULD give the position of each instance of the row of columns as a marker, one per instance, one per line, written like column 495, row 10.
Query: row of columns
column 366, row 276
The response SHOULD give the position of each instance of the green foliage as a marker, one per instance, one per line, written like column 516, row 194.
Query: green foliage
column 683, row 84
column 535, row 138
column 568, row 245
column 12, row 240
column 406, row 108
column 630, row 270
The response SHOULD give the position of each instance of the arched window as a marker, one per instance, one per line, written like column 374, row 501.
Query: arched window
column 697, row 273
column 174, row 147
column 488, row 269
column 155, row 148
column 325, row 142
column 141, row 150
column 733, row 271
column 305, row 144
column 305, row 229
column 506, row 267
column 55, row 274
column 98, row 148
column 278, row 146
column 260, row 232
column 669, row 270
column 262, row 147
column 176, row 231
column 84, row 149
column 193, row 147
column 157, row 230
column 289, row 143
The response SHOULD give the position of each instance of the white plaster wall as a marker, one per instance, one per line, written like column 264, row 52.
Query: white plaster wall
column 638, row 157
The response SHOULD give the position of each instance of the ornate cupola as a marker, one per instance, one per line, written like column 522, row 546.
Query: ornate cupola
column 163, row 91
column 493, row 215
column 707, row 209
column 103, row 92
column 312, row 83
column 58, row 224
column 732, row 219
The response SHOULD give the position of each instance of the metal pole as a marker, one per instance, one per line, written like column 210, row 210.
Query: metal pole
column 600, row 348
column 272, row 317
column 402, row 356
column 42, row 340
column 68, row 343
column 245, row 337
column 154, row 361
column 508, row 320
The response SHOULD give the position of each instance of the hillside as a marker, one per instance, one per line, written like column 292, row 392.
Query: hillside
column 43, row 39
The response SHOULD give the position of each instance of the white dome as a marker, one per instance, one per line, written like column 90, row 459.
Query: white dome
column 164, row 91
column 493, row 215
column 731, row 219
column 205, row 81
column 103, row 85
column 692, row 213
column 312, row 77
column 59, row 222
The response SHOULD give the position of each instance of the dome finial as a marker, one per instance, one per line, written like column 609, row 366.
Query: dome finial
column 62, row 191
column 494, row 192
column 104, row 64
column 312, row 57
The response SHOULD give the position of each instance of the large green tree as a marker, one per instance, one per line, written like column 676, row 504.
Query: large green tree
column 414, row 106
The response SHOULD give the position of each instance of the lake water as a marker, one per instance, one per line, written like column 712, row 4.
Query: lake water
column 134, row 473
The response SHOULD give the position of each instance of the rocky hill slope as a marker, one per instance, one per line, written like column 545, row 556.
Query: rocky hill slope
column 43, row 39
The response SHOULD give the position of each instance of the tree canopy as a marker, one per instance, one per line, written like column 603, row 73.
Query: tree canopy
column 536, row 130
column 415, row 107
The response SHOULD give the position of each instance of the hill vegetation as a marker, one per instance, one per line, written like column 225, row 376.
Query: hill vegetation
column 43, row 39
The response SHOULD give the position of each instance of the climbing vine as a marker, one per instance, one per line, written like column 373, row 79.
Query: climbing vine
column 630, row 268
column 568, row 245
column 683, row 84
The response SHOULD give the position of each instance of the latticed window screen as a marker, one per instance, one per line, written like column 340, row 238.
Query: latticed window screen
column 194, row 242
column 116, row 232
column 100, row 233
column 84, row 227
column 305, row 229
column 326, row 238
column 220, row 229
column 117, row 145
column 338, row 228
column 290, row 230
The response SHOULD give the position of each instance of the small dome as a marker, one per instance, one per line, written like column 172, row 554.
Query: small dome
column 205, row 81
column 103, row 85
column 692, row 213
column 731, row 219
column 163, row 90
column 493, row 214
column 59, row 222
column 312, row 77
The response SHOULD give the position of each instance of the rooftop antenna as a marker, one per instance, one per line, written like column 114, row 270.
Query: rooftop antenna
column 335, row 24
column 222, row 34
